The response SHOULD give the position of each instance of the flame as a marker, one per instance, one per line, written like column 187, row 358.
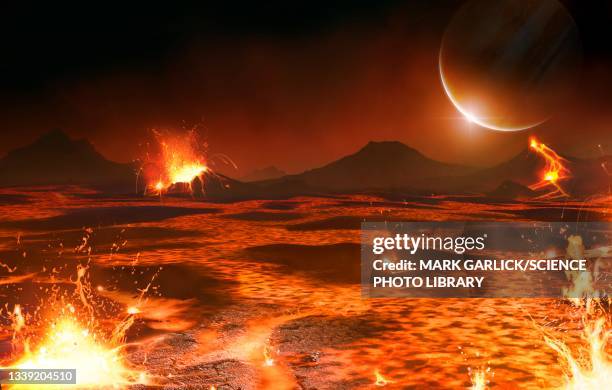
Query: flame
column 582, row 291
column 268, row 360
column 180, row 160
column 554, row 171
column 133, row 310
column 159, row 187
column 479, row 380
column 594, row 372
column 18, row 321
column 69, row 345
column 380, row 379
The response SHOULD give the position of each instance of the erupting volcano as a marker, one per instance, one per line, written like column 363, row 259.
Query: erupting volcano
column 554, row 172
column 179, row 160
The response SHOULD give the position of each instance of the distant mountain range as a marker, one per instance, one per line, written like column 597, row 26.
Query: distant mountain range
column 377, row 167
column 267, row 173
column 55, row 158
column 394, row 167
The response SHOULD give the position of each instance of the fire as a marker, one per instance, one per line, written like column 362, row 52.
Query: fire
column 554, row 171
column 69, row 345
column 479, row 380
column 551, row 176
column 18, row 321
column 159, row 186
column 380, row 379
column 64, row 332
column 582, row 291
column 133, row 310
column 593, row 372
column 268, row 360
column 186, row 173
column 180, row 161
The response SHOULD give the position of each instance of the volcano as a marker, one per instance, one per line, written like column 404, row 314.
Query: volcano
column 587, row 177
column 392, row 167
column 55, row 158
column 388, row 165
column 268, row 173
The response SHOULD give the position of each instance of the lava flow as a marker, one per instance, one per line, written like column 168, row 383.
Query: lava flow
column 380, row 379
column 179, row 162
column 554, row 171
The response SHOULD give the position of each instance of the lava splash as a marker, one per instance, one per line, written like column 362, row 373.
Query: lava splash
column 70, row 345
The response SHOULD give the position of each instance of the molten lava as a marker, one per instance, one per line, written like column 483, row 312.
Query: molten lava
column 554, row 171
column 380, row 379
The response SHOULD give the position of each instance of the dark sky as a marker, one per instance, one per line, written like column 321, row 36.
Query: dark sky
column 293, row 85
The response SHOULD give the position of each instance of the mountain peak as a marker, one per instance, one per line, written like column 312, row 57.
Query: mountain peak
column 382, row 164
column 55, row 134
column 386, row 146
column 266, row 173
column 55, row 158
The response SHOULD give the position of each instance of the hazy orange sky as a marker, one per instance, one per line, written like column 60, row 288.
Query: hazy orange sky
column 291, row 96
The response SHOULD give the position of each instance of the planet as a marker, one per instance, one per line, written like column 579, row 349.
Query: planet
column 507, row 65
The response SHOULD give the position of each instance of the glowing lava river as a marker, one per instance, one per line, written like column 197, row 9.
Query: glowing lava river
column 175, row 293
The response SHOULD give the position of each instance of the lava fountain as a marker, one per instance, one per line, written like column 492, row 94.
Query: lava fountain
column 70, row 345
column 66, row 331
column 479, row 380
column 180, row 160
column 592, row 370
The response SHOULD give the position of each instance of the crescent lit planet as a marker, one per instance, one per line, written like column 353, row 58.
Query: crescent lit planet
column 508, row 65
column 472, row 117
